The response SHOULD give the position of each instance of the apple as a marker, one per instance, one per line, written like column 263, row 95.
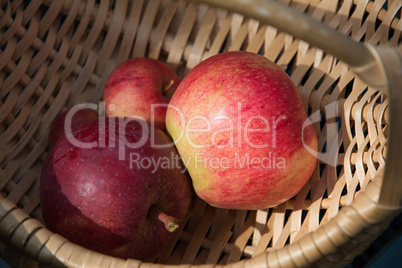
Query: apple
column 114, row 188
column 140, row 87
column 239, row 125
column 76, row 118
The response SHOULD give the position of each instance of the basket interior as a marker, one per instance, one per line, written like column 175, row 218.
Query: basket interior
column 50, row 61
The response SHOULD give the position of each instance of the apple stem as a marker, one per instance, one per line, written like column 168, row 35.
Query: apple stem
column 169, row 86
column 169, row 221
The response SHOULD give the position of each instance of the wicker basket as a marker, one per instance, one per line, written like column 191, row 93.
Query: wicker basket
column 56, row 54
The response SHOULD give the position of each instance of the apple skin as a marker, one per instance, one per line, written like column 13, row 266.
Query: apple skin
column 239, row 86
column 81, row 116
column 135, row 85
column 94, row 199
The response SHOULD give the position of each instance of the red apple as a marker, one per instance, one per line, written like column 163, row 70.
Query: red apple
column 239, row 125
column 75, row 117
column 118, row 192
column 136, row 86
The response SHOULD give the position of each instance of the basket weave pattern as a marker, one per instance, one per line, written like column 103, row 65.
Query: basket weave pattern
column 57, row 54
